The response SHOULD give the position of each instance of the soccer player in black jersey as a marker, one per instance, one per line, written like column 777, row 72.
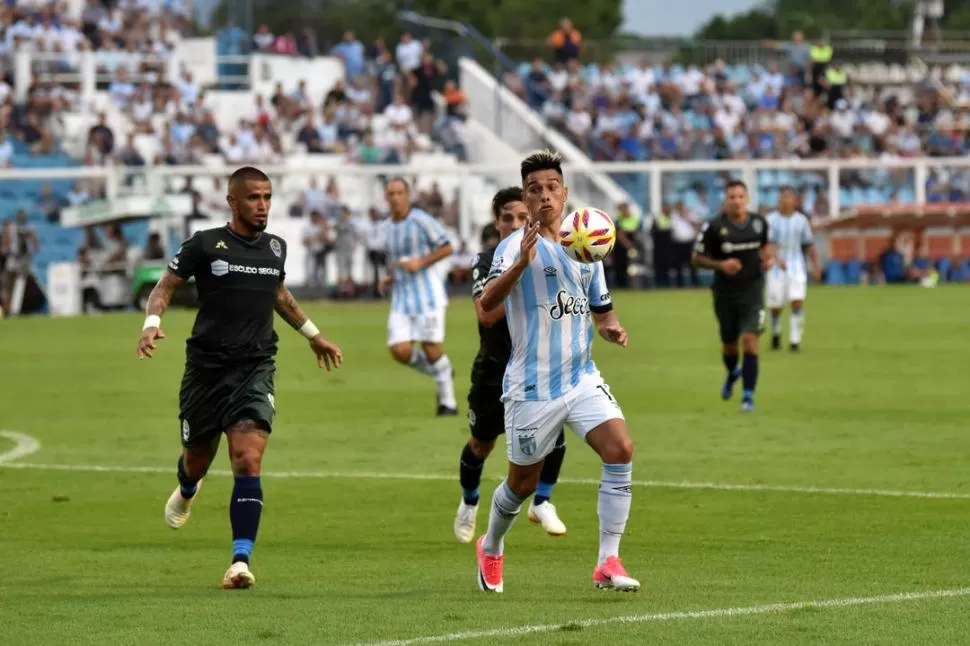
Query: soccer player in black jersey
column 486, row 413
column 735, row 245
column 230, row 364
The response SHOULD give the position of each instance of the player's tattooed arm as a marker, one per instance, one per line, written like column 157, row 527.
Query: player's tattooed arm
column 288, row 309
column 161, row 294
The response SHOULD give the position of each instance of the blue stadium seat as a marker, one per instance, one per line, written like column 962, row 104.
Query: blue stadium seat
column 834, row 273
column 853, row 272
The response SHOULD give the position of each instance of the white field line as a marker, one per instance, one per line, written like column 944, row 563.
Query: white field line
column 24, row 445
column 719, row 613
column 377, row 475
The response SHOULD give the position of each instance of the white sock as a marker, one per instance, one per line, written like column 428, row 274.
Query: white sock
column 776, row 324
column 797, row 326
column 419, row 361
column 613, row 506
column 505, row 507
column 444, row 381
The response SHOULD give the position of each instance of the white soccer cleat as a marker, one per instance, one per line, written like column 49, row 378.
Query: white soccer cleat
column 545, row 515
column 465, row 522
column 239, row 577
column 178, row 509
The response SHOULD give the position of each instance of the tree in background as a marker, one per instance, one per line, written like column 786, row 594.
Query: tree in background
column 370, row 19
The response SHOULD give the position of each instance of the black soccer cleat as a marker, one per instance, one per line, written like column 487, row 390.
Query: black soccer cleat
column 775, row 342
column 444, row 411
column 794, row 348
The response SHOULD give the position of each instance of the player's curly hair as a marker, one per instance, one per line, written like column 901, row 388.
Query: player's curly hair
column 541, row 160
column 505, row 196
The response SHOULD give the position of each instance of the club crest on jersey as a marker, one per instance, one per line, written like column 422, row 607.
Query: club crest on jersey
column 758, row 227
column 219, row 267
column 527, row 440
column 274, row 246
column 585, row 278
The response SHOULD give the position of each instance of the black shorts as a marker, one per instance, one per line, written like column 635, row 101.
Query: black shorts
column 213, row 399
column 486, row 412
column 740, row 312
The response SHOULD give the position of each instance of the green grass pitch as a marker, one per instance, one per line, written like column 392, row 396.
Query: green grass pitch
column 351, row 552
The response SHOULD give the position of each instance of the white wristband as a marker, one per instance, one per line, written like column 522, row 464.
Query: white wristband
column 152, row 320
column 309, row 330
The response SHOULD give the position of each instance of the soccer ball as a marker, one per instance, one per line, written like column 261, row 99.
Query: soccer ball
column 587, row 235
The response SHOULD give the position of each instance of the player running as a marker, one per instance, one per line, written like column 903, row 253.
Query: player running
column 486, row 413
column 416, row 324
column 735, row 245
column 789, row 230
column 230, row 363
column 551, row 304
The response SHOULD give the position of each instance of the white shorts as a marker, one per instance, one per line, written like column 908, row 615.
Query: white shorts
column 783, row 288
column 423, row 328
column 531, row 427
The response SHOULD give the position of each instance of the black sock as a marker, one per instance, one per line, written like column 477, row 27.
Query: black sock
column 245, row 506
column 550, row 471
column 470, row 475
column 749, row 374
column 187, row 485
column 731, row 363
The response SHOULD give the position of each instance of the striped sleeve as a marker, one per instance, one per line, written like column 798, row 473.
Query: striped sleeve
column 434, row 234
column 600, row 300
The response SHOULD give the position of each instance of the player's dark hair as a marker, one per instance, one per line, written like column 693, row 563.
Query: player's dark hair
column 505, row 196
column 248, row 174
column 788, row 188
column 735, row 183
column 541, row 160
column 398, row 178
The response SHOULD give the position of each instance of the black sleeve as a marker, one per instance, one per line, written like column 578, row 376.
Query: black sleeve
column 480, row 272
column 764, row 231
column 707, row 243
column 282, row 260
column 188, row 258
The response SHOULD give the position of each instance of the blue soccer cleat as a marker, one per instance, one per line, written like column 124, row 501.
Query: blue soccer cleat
column 727, row 390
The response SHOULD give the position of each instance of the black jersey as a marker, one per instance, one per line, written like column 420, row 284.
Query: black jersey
column 237, row 280
column 722, row 238
column 495, row 343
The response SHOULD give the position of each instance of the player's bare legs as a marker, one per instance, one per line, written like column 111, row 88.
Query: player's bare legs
column 247, row 442
column 444, row 377
column 430, row 359
column 193, row 464
column 612, row 443
column 749, row 369
column 797, row 325
column 776, row 326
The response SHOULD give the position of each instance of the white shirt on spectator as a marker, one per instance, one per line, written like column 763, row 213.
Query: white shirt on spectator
column 398, row 115
column 121, row 93
column 690, row 81
column 726, row 121
column 607, row 122
column 650, row 102
column 142, row 110
column 408, row 55
column 234, row 153
column 641, row 79
column 554, row 110
column 6, row 152
column 558, row 79
column 579, row 122
column 843, row 123
column 877, row 123
column 328, row 133
column 359, row 95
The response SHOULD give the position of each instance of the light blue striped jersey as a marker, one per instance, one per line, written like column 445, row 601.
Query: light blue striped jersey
column 416, row 236
column 790, row 234
column 549, row 313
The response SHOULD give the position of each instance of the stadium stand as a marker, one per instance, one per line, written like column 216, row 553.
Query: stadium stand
column 112, row 102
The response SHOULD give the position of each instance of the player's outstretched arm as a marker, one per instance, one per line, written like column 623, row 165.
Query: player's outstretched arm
column 328, row 355
column 609, row 328
column 158, row 302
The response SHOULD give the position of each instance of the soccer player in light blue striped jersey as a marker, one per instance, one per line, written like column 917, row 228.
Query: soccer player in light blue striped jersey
column 553, row 305
column 787, row 282
column 416, row 324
